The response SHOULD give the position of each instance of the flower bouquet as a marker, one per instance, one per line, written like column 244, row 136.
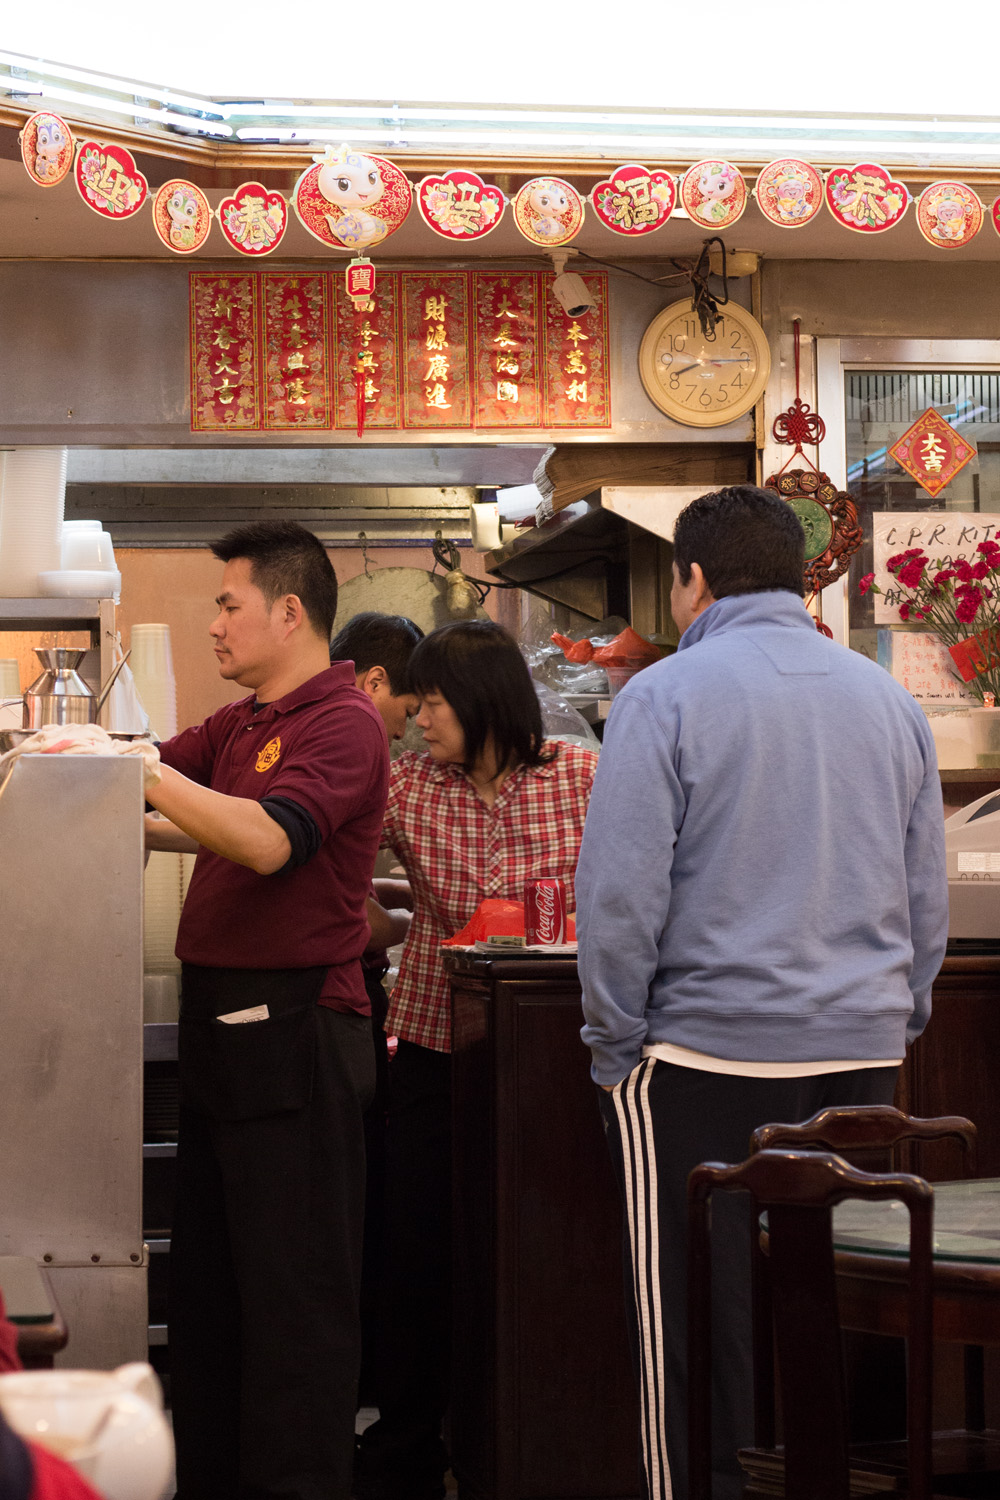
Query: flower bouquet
column 961, row 604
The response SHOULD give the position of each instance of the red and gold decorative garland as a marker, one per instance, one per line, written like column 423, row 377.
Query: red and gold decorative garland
column 352, row 201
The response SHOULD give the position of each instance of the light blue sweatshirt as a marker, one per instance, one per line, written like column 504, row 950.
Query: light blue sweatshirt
column 762, row 875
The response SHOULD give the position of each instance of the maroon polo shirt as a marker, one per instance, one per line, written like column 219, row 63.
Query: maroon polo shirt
column 324, row 747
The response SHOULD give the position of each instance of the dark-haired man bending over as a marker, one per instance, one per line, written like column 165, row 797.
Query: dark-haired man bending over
column 284, row 793
column 379, row 646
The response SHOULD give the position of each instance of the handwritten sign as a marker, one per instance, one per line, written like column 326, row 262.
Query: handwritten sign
column 945, row 536
column 921, row 662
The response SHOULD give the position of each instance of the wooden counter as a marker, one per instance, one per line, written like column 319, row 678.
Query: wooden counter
column 954, row 1067
column 544, row 1405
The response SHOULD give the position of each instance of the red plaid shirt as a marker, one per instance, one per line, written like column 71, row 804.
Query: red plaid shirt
column 457, row 851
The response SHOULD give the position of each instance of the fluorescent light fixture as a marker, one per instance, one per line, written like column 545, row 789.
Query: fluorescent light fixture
column 135, row 111
column 115, row 85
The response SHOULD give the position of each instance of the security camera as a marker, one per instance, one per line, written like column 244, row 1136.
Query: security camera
column 570, row 289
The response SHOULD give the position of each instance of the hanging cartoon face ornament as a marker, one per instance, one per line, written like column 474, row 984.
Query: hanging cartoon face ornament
column 50, row 142
column 352, row 185
column 182, row 210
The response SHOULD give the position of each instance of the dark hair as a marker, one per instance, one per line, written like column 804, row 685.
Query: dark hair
column 480, row 672
column 285, row 558
column 745, row 540
column 375, row 640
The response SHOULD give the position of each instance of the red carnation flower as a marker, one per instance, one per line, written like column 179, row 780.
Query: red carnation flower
column 967, row 601
column 903, row 557
column 912, row 573
column 904, row 610
column 989, row 549
column 942, row 577
column 865, row 583
column 980, row 569
column 963, row 570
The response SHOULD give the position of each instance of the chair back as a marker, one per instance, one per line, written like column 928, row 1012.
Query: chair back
column 798, row 1191
column 868, row 1128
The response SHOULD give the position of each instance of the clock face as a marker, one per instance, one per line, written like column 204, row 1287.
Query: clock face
column 698, row 381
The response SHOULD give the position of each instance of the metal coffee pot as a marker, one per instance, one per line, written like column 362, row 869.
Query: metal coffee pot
column 60, row 695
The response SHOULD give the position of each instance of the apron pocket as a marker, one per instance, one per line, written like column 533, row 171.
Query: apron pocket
column 249, row 1069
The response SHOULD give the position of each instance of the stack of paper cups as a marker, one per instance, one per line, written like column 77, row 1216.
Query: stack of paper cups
column 161, row 913
column 31, row 518
column 10, row 678
column 153, row 669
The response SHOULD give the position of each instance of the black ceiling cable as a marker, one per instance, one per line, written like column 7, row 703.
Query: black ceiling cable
column 706, row 305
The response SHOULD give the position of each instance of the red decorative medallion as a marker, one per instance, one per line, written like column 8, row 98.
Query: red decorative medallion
column 789, row 192
column 182, row 216
column 634, row 200
column 254, row 219
column 548, row 211
column 865, row 198
column 949, row 214
column 714, row 193
column 932, row 452
column 460, row 205
column 351, row 201
column 109, row 181
column 46, row 149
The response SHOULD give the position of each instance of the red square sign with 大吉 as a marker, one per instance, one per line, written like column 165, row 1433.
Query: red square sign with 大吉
column 932, row 452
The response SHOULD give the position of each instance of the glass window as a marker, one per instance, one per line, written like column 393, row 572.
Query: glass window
column 881, row 405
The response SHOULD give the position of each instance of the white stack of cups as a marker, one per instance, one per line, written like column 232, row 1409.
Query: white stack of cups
column 153, row 669
column 31, row 518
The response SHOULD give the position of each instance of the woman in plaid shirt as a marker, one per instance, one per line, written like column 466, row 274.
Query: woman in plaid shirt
column 488, row 806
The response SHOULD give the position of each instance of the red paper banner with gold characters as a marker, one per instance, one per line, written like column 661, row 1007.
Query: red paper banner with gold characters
column 488, row 349
column 226, row 387
column 435, row 339
column 370, row 339
column 505, row 315
column 296, row 341
column 576, row 391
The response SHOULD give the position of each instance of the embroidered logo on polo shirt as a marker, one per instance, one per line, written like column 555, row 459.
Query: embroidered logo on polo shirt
column 270, row 755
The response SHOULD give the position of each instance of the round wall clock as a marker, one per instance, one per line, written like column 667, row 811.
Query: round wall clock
column 699, row 381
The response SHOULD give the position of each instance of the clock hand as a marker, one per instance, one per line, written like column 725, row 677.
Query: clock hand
column 686, row 368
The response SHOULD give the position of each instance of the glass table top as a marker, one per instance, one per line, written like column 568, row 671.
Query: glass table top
column 966, row 1224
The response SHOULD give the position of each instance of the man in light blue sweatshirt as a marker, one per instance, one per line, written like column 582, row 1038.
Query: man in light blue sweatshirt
column 762, row 910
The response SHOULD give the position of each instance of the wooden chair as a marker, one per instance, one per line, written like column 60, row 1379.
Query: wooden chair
column 798, row 1190
column 861, row 1131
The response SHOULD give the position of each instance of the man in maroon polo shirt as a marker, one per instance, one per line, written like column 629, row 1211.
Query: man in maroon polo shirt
column 283, row 794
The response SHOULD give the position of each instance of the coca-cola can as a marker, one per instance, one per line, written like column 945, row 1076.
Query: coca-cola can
column 545, row 911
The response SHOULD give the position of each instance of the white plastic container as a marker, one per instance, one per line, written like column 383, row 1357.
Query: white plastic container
column 31, row 518
column 986, row 736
